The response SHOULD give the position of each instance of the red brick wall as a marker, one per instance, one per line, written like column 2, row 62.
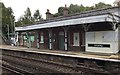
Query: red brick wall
column 71, row 31
column 20, row 40
column 46, row 39
column 55, row 36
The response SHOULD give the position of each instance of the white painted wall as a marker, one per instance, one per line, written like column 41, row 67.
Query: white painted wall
column 103, row 37
column 119, row 38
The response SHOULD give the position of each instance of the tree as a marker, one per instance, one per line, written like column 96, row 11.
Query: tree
column 102, row 5
column 7, row 19
column 28, row 14
column 80, row 8
column 37, row 16
column 26, row 19
column 60, row 12
column 19, row 22
column 74, row 8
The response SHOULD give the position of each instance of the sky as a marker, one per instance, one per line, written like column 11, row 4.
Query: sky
column 19, row 6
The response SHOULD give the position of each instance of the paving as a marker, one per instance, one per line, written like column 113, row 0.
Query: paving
column 89, row 55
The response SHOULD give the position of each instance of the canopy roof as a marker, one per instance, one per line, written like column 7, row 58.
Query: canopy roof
column 103, row 15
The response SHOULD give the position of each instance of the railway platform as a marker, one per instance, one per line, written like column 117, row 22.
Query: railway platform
column 88, row 55
column 32, row 60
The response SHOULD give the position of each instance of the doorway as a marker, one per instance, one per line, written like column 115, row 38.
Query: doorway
column 61, row 40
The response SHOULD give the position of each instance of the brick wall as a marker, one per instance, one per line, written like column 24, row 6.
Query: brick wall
column 71, row 31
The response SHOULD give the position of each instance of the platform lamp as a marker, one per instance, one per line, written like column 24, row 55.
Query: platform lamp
column 8, row 31
column 14, row 27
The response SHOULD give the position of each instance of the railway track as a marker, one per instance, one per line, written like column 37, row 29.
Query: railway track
column 12, row 70
column 6, row 70
column 37, row 64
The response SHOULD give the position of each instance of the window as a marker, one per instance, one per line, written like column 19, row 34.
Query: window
column 76, row 39
column 32, row 38
column 25, row 38
column 41, row 38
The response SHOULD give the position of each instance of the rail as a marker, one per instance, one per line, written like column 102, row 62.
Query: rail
column 58, row 64
column 14, row 69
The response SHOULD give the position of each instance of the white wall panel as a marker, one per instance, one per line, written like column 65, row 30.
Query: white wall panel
column 108, row 36
column 90, row 36
column 105, row 42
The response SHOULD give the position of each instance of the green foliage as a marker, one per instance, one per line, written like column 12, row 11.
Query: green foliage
column 74, row 8
column 27, row 18
column 28, row 13
column 37, row 16
column 80, row 8
column 7, row 19
column 102, row 5
column 60, row 12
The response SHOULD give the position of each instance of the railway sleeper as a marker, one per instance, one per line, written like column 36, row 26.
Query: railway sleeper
column 17, row 70
column 32, row 70
column 57, row 68
column 29, row 66
column 84, row 65
column 45, row 58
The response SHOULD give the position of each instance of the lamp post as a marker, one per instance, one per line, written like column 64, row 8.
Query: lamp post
column 14, row 26
column 8, row 30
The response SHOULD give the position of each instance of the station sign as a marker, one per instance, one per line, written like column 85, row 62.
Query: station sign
column 99, row 45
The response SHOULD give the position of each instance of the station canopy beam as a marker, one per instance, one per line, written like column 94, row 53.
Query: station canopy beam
column 106, row 17
column 115, row 21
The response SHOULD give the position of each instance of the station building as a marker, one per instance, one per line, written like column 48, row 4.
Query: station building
column 90, row 31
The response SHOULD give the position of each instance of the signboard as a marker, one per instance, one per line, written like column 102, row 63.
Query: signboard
column 99, row 45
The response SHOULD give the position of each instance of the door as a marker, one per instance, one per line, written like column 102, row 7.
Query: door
column 76, row 39
column 61, row 40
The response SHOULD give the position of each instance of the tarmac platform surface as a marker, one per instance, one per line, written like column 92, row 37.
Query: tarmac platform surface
column 88, row 55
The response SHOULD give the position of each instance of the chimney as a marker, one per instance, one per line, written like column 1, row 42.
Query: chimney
column 48, row 14
column 65, row 11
